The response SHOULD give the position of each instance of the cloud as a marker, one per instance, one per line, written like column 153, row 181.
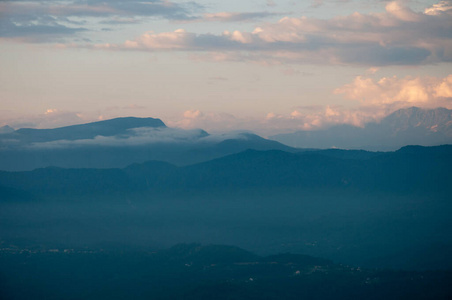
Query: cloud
column 95, row 8
column 37, row 31
column 192, row 114
column 301, row 118
column 402, row 12
column 135, row 137
column 444, row 88
column 372, row 70
column 398, row 36
column 235, row 16
column 318, row 117
column 425, row 92
column 439, row 8
column 178, row 39
column 46, row 21
column 270, row 3
column 374, row 99
column 212, row 121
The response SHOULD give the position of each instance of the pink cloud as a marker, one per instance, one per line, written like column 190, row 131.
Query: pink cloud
column 439, row 8
column 408, row 91
column 397, row 36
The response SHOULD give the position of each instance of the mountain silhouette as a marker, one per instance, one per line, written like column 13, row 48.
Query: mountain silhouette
column 83, row 131
column 118, row 143
column 6, row 129
column 412, row 168
column 365, row 208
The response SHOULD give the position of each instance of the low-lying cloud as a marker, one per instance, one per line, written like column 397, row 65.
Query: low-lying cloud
column 134, row 137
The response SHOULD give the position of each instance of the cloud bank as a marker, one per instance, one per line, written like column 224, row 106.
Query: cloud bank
column 426, row 92
column 398, row 36
column 374, row 99
column 135, row 137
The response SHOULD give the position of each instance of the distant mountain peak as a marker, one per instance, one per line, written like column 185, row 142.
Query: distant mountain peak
column 435, row 120
column 407, row 126
column 6, row 129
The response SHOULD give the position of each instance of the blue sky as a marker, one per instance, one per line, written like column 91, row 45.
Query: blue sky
column 267, row 66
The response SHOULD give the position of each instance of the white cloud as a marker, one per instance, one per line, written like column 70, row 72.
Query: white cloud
column 211, row 121
column 178, row 39
column 444, row 88
column 136, row 137
column 409, row 91
column 318, row 117
column 193, row 114
column 402, row 12
column 300, row 118
column 375, row 98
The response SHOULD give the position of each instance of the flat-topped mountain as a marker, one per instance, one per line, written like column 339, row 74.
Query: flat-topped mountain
column 84, row 131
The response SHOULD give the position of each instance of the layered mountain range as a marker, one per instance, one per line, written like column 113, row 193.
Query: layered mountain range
column 135, row 182
column 411, row 169
column 372, row 209
column 120, row 142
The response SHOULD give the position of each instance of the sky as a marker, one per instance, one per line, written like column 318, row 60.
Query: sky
column 269, row 66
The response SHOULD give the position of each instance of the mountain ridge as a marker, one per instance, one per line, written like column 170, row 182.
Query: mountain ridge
column 426, row 127
column 85, row 131
column 117, row 143
column 410, row 168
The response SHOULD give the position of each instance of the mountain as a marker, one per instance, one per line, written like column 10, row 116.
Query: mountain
column 412, row 169
column 411, row 126
column 6, row 129
column 83, row 131
column 118, row 143
column 363, row 208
